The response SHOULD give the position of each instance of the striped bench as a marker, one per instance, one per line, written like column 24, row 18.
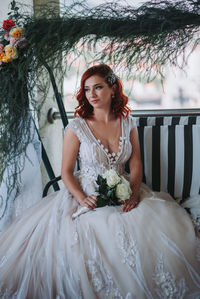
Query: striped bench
column 170, row 152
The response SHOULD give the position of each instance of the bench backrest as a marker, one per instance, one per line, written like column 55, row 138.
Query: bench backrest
column 170, row 151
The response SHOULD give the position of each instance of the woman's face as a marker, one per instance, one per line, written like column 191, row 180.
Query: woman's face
column 98, row 92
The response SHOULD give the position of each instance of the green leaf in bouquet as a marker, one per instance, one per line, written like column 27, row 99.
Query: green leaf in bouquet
column 104, row 196
column 101, row 201
column 114, row 202
column 100, row 180
column 103, row 189
column 111, row 193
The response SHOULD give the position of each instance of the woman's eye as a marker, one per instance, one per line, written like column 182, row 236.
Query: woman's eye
column 86, row 90
column 98, row 87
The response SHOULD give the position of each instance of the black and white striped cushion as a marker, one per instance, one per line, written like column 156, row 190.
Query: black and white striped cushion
column 171, row 155
column 159, row 120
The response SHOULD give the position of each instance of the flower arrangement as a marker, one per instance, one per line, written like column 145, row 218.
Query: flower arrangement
column 113, row 189
column 13, row 40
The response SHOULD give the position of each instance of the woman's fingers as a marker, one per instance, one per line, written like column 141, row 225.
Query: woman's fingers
column 90, row 201
column 129, row 205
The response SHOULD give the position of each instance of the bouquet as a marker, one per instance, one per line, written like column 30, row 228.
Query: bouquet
column 112, row 189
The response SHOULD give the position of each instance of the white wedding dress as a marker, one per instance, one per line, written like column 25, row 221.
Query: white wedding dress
column 150, row 252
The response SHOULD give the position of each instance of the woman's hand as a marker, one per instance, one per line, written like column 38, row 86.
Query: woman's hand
column 130, row 204
column 89, row 202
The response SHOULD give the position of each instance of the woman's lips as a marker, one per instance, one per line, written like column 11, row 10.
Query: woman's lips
column 94, row 101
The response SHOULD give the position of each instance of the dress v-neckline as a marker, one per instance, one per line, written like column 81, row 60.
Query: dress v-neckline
column 111, row 156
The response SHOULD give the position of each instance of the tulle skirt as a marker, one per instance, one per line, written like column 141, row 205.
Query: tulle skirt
column 150, row 252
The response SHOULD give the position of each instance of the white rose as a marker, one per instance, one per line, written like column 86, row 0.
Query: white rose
column 124, row 181
column 122, row 191
column 112, row 178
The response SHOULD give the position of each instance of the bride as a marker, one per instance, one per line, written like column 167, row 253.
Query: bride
column 145, row 248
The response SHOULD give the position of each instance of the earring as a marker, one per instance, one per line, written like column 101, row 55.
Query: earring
column 112, row 96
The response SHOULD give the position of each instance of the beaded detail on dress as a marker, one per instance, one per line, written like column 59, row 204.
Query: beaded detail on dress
column 112, row 156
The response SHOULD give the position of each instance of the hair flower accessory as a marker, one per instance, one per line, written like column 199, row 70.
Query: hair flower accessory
column 111, row 78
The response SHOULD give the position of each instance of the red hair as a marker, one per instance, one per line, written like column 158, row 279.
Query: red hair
column 119, row 103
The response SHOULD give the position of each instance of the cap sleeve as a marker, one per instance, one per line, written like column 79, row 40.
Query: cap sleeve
column 75, row 126
column 132, row 123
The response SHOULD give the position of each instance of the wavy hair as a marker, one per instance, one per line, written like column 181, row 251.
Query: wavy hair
column 119, row 102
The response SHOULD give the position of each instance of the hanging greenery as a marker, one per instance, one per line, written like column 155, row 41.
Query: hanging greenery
column 145, row 38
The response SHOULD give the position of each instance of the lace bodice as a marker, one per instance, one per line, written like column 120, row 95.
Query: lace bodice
column 93, row 157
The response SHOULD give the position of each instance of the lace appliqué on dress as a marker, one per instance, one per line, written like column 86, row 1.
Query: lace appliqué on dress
column 102, row 280
column 74, row 125
column 130, row 256
column 167, row 286
column 128, row 249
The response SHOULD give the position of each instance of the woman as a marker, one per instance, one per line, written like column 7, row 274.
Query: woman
column 145, row 249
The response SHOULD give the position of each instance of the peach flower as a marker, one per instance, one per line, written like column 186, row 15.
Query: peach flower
column 16, row 32
column 6, row 59
column 13, row 41
column 11, row 51
column 2, row 56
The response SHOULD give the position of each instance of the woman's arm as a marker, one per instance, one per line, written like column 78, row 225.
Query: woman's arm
column 71, row 146
column 135, row 166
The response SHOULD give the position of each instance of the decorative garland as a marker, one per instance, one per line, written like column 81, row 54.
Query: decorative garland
column 146, row 38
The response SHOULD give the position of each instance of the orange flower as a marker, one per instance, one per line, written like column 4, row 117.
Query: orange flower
column 2, row 55
column 6, row 59
column 11, row 51
column 16, row 32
